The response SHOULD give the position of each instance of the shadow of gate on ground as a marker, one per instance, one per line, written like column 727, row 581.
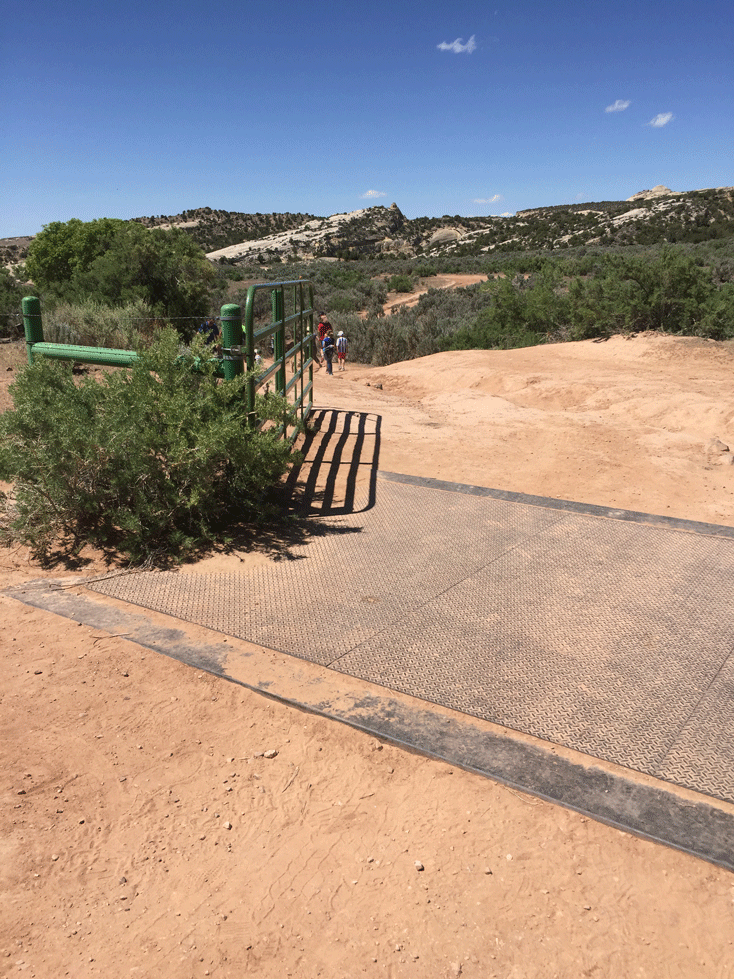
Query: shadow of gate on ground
column 338, row 475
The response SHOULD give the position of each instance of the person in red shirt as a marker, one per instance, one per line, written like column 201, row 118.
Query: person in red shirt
column 323, row 327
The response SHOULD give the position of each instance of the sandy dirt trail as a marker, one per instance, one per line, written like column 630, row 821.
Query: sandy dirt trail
column 144, row 832
column 456, row 281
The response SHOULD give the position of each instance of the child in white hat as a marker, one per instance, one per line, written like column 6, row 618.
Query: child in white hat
column 341, row 350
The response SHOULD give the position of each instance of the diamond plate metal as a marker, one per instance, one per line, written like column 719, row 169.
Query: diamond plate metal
column 612, row 638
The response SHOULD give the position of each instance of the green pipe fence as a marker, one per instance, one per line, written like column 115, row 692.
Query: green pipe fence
column 292, row 321
column 37, row 347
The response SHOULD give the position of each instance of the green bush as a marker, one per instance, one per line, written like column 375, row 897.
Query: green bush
column 514, row 318
column 148, row 461
column 119, row 262
column 717, row 321
column 11, row 296
column 400, row 283
column 345, row 302
column 93, row 324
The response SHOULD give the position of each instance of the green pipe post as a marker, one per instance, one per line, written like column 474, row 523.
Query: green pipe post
column 310, row 330
column 250, row 341
column 32, row 324
column 231, row 318
column 278, row 305
column 298, row 303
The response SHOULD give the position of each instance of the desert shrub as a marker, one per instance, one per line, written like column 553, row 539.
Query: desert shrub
column 490, row 334
column 666, row 291
column 683, row 290
column 344, row 302
column 418, row 331
column 661, row 289
column 354, row 328
column 511, row 317
column 11, row 297
column 403, row 335
column 717, row 317
column 346, row 290
column 400, row 283
column 151, row 460
column 379, row 341
column 94, row 324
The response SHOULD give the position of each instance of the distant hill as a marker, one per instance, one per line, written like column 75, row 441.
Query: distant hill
column 14, row 250
column 646, row 218
column 356, row 234
column 214, row 229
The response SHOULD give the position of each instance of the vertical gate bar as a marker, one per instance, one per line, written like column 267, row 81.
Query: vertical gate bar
column 310, row 330
column 279, row 352
column 299, row 386
column 295, row 334
column 276, row 301
column 250, row 342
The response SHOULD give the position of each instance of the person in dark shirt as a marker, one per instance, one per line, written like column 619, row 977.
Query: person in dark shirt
column 327, row 345
column 209, row 331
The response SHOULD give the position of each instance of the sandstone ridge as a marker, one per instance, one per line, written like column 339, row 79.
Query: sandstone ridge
column 646, row 218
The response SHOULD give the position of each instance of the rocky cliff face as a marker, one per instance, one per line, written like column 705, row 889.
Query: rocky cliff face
column 659, row 191
column 352, row 235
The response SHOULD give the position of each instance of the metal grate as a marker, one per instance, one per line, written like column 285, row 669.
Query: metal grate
column 607, row 636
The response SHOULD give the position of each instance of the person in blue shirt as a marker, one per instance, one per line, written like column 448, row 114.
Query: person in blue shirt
column 327, row 346
column 209, row 331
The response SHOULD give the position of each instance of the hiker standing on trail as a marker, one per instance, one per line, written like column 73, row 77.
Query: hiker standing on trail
column 327, row 345
column 341, row 350
column 323, row 327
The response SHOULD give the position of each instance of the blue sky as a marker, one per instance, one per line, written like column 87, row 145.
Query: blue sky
column 151, row 107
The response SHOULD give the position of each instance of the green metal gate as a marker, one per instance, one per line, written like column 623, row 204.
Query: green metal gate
column 291, row 328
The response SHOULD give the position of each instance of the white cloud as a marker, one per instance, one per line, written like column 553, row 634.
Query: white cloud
column 457, row 47
column 371, row 194
column 619, row 106
column 661, row 119
column 487, row 200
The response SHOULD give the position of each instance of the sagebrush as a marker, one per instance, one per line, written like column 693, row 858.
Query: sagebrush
column 158, row 459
